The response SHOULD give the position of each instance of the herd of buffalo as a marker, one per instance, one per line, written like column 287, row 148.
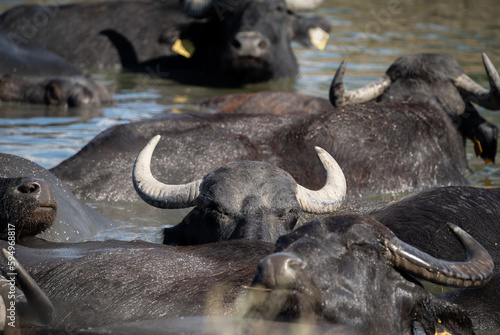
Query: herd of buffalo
column 279, row 238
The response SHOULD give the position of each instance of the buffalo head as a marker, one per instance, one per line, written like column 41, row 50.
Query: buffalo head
column 27, row 207
column 254, row 37
column 437, row 81
column 352, row 270
column 242, row 199
column 71, row 91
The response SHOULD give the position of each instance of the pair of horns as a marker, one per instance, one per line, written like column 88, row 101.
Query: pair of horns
column 200, row 7
column 476, row 271
column 163, row 195
column 489, row 99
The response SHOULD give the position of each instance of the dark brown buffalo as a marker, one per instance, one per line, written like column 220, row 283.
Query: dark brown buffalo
column 438, row 82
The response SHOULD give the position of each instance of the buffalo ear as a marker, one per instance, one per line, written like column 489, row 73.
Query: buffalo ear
column 311, row 30
column 437, row 316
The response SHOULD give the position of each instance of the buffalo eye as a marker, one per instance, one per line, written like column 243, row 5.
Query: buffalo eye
column 365, row 248
column 280, row 8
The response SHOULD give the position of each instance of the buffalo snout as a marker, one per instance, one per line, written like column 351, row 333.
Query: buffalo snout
column 26, row 204
column 39, row 189
column 278, row 270
column 250, row 44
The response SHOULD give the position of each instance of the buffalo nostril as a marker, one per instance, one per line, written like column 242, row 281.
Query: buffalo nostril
column 279, row 270
column 38, row 189
column 236, row 43
column 30, row 186
column 262, row 44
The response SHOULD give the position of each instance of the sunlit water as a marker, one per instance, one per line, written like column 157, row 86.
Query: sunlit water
column 369, row 35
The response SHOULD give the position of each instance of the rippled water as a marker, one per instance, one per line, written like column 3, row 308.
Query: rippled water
column 369, row 35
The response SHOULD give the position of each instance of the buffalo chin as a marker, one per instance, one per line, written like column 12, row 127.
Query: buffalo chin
column 38, row 221
column 283, row 305
column 251, row 69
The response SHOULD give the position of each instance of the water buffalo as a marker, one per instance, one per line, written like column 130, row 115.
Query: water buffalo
column 37, row 310
column 85, row 282
column 420, row 81
column 438, row 82
column 35, row 202
column 420, row 219
column 353, row 270
column 376, row 148
column 32, row 74
column 92, row 284
column 481, row 304
column 230, row 42
column 242, row 199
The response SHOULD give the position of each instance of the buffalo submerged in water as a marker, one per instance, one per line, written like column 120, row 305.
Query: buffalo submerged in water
column 35, row 202
column 221, row 42
column 336, row 270
column 242, row 199
column 353, row 270
column 31, row 74
column 386, row 146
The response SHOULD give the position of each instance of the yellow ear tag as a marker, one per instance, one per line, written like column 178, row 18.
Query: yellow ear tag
column 477, row 146
column 443, row 332
column 185, row 48
column 180, row 99
column 318, row 37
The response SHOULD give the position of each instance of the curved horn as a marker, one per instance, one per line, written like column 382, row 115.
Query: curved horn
column 484, row 98
column 32, row 303
column 327, row 199
column 196, row 7
column 476, row 271
column 302, row 5
column 156, row 193
column 340, row 97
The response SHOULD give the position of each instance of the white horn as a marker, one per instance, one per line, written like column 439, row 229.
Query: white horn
column 489, row 99
column 156, row 193
column 330, row 197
